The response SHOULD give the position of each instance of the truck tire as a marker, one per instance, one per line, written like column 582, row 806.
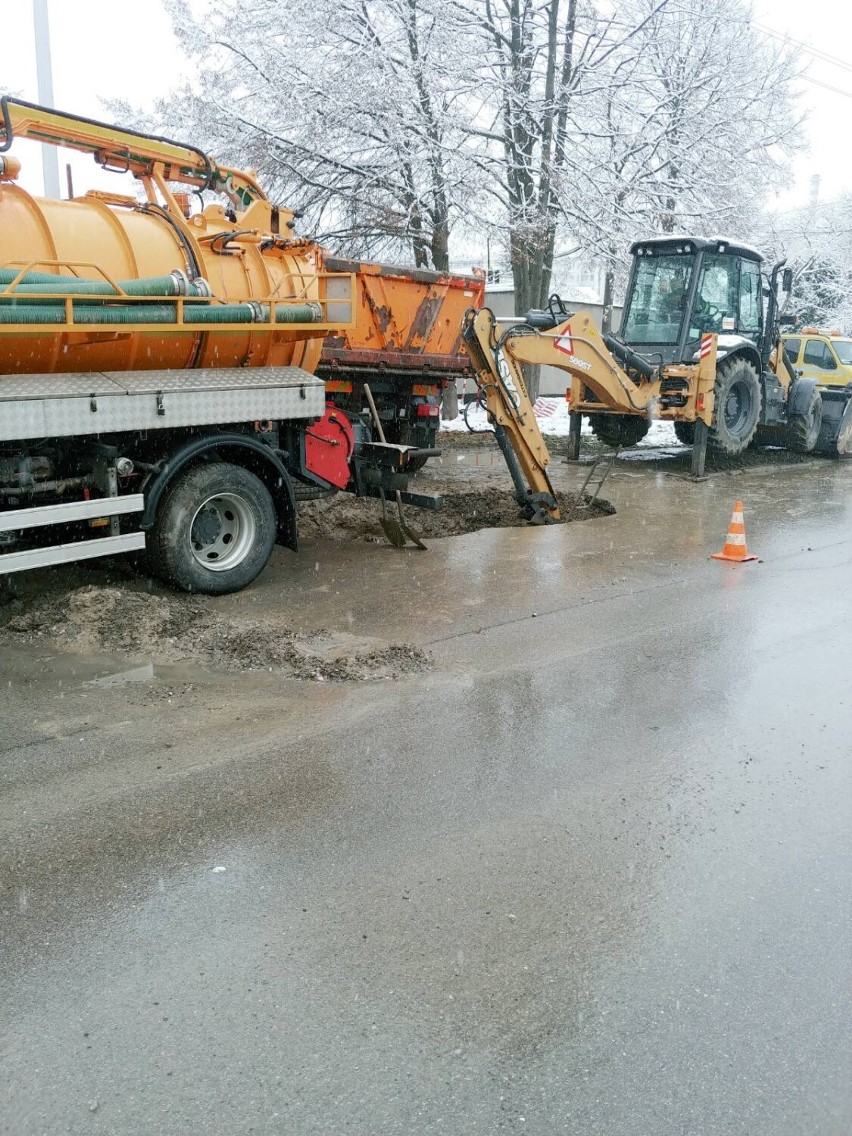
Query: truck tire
column 214, row 530
column 424, row 437
column 803, row 429
column 685, row 432
column 416, row 464
column 619, row 429
column 737, row 400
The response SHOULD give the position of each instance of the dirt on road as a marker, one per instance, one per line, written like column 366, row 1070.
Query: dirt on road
column 117, row 613
column 169, row 628
column 465, row 509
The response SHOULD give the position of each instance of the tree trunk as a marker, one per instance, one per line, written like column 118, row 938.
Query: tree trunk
column 441, row 245
column 606, row 316
column 526, row 296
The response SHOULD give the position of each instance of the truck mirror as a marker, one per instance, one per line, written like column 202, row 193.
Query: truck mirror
column 787, row 280
column 788, row 320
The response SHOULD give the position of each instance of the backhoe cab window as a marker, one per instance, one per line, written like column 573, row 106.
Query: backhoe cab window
column 751, row 300
column 656, row 307
column 716, row 302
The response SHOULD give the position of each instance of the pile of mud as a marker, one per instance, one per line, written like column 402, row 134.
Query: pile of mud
column 344, row 517
column 171, row 628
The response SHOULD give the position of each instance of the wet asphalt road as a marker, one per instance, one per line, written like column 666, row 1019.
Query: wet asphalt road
column 589, row 875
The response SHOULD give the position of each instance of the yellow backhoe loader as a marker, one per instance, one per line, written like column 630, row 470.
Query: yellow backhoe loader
column 700, row 347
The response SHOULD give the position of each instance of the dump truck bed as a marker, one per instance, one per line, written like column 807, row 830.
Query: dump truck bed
column 407, row 321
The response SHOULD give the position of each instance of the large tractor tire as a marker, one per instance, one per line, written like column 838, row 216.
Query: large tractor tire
column 737, row 401
column 803, row 429
column 685, row 432
column 619, row 429
column 214, row 531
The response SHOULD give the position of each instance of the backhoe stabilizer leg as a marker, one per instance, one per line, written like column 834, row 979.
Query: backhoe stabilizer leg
column 575, row 425
column 699, row 449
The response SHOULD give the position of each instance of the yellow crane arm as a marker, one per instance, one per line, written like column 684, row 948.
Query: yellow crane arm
column 119, row 149
column 511, row 413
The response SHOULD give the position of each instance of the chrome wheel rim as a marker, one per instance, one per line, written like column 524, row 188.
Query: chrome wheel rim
column 222, row 532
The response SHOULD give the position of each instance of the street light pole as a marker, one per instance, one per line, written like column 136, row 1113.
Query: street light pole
column 44, row 72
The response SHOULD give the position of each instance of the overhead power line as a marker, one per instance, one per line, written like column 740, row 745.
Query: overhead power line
column 816, row 52
column 826, row 86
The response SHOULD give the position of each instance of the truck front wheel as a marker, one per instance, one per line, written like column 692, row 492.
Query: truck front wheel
column 736, row 401
column 214, row 531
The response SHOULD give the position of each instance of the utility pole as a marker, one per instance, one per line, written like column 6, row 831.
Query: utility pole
column 44, row 72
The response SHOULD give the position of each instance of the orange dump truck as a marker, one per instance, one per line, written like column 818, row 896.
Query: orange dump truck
column 406, row 343
column 176, row 379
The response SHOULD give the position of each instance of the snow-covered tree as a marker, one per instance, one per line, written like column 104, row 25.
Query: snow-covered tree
column 400, row 126
column 343, row 109
column 692, row 132
column 816, row 241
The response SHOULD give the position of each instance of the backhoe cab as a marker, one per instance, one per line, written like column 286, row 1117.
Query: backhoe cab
column 699, row 347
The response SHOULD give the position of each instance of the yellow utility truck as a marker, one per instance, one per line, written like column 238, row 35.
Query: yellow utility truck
column 825, row 356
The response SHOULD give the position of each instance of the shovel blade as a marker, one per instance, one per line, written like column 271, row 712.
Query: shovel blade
column 413, row 537
column 393, row 532
column 410, row 533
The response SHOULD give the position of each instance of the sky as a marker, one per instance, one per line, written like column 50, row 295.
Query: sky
column 104, row 49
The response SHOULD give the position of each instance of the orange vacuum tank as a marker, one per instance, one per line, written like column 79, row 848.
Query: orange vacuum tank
column 119, row 239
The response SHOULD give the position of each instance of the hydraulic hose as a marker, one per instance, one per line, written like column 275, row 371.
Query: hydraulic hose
column 188, row 248
column 628, row 357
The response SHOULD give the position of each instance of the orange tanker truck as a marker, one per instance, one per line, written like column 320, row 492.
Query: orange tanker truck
column 176, row 380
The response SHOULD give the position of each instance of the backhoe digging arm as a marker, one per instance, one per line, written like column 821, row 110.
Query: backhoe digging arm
column 606, row 374
column 511, row 413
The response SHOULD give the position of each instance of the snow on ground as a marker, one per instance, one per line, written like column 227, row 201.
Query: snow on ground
column 552, row 415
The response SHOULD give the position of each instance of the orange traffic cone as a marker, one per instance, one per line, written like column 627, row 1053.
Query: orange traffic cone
column 735, row 542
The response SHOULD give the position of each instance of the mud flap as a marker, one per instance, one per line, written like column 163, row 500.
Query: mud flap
column 835, row 436
column 450, row 403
